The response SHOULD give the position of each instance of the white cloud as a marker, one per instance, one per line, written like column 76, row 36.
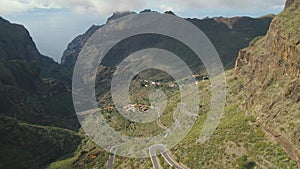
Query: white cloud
column 104, row 7
column 229, row 4
column 11, row 6
column 173, row 8
column 76, row 6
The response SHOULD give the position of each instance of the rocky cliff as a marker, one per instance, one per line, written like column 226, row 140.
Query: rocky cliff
column 71, row 53
column 35, row 103
column 33, row 87
column 228, row 35
column 269, row 71
column 15, row 42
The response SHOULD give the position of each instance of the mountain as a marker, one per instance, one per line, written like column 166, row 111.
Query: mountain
column 259, row 128
column 24, row 146
column 37, row 113
column 34, row 88
column 71, row 53
column 260, row 125
column 228, row 35
column 15, row 42
column 269, row 71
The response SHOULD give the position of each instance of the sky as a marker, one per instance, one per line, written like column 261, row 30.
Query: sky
column 54, row 23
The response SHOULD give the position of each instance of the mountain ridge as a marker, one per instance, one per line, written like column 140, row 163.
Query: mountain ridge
column 226, row 40
column 270, row 71
column 264, row 96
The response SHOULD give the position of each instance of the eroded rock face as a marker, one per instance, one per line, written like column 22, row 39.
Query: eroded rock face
column 71, row 53
column 15, row 42
column 277, row 52
column 228, row 35
column 31, row 85
column 269, row 70
column 288, row 3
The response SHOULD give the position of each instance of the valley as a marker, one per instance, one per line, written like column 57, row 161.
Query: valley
column 260, row 126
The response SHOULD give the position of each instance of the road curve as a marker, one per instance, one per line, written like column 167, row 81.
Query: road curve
column 153, row 151
column 161, row 149
column 110, row 162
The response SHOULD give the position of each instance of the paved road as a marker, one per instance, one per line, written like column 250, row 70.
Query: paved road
column 171, row 161
column 110, row 162
column 152, row 151
column 161, row 149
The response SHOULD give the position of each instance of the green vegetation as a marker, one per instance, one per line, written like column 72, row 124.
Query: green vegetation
column 31, row 146
column 35, row 94
column 289, row 19
column 238, row 142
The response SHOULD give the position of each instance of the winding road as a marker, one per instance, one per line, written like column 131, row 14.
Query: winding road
column 160, row 147
column 153, row 150
column 110, row 162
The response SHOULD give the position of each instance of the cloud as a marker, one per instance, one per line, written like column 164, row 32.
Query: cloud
column 11, row 6
column 169, row 8
column 228, row 4
column 102, row 7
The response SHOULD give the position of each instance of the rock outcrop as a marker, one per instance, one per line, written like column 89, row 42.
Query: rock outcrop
column 228, row 35
column 35, row 102
column 33, row 87
column 71, row 53
column 269, row 70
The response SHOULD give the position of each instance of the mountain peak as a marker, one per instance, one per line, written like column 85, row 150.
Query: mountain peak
column 170, row 12
column 70, row 54
column 16, row 42
column 117, row 15
column 146, row 10
column 227, row 21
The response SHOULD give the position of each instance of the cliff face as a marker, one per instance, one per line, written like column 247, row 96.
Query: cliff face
column 71, row 53
column 33, row 87
column 228, row 35
column 269, row 71
column 20, row 46
column 34, row 95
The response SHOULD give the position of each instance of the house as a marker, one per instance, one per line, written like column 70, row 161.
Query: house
column 135, row 107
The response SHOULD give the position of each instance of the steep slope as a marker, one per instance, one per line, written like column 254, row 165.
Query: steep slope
column 71, row 53
column 269, row 71
column 33, row 87
column 34, row 95
column 227, row 38
column 238, row 142
column 24, row 146
column 16, row 44
column 260, row 126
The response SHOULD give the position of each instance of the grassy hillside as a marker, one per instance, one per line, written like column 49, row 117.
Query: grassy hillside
column 24, row 146
column 260, row 125
column 239, row 142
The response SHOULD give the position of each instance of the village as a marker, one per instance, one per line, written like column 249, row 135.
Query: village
column 138, row 107
column 148, row 83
